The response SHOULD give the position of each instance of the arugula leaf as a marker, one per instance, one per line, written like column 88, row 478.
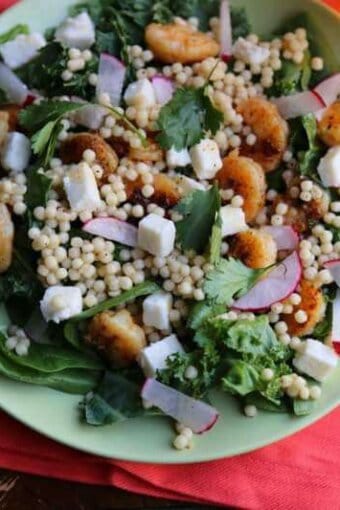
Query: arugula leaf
column 185, row 119
column 116, row 399
column 199, row 210
column 14, row 32
column 38, row 187
column 230, row 278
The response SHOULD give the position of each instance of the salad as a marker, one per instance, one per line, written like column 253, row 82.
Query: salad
column 169, row 211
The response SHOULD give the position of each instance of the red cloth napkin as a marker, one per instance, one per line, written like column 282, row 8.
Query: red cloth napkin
column 301, row 472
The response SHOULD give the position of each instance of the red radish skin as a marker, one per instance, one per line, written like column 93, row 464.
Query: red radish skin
column 226, row 32
column 195, row 414
column 276, row 286
column 113, row 230
column 334, row 267
column 329, row 89
column 164, row 89
column 299, row 104
column 286, row 237
column 111, row 78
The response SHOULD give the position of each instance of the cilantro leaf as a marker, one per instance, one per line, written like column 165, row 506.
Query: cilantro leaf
column 38, row 187
column 14, row 32
column 199, row 210
column 230, row 278
column 184, row 121
column 36, row 116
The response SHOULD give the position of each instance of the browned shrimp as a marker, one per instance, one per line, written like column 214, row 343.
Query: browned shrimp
column 256, row 248
column 166, row 193
column 118, row 336
column 151, row 153
column 179, row 43
column 6, row 238
column 271, row 131
column 329, row 125
column 313, row 304
column 71, row 151
column 247, row 179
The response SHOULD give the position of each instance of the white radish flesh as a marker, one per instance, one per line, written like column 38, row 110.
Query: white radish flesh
column 333, row 267
column 329, row 89
column 111, row 78
column 15, row 90
column 164, row 89
column 286, row 237
column 299, row 104
column 113, row 230
column 226, row 37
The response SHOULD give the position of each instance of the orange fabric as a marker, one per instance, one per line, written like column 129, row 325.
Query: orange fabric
column 301, row 472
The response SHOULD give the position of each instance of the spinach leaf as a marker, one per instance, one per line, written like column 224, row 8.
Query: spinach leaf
column 252, row 337
column 241, row 379
column 256, row 399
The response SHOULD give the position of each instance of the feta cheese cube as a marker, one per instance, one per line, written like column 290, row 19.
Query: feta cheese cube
column 206, row 159
column 156, row 235
column 249, row 52
column 156, row 310
column 316, row 360
column 81, row 188
column 233, row 220
column 176, row 158
column 329, row 168
column 61, row 303
column 77, row 32
column 188, row 185
column 16, row 152
column 22, row 49
column 140, row 93
column 153, row 357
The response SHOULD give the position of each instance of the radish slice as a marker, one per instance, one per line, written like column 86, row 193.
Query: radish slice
column 276, row 286
column 111, row 78
column 226, row 32
column 329, row 89
column 164, row 89
column 334, row 267
column 15, row 90
column 319, row 114
column 286, row 237
column 300, row 104
column 336, row 323
column 194, row 414
column 91, row 116
column 113, row 230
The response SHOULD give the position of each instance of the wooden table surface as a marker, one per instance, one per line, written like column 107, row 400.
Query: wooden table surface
column 26, row 492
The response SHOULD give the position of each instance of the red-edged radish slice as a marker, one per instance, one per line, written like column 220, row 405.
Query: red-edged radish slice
column 111, row 78
column 164, row 89
column 329, row 89
column 15, row 90
column 286, row 237
column 113, row 230
column 226, row 32
column 333, row 267
column 300, row 104
column 319, row 114
column 194, row 414
column 276, row 286
column 336, row 323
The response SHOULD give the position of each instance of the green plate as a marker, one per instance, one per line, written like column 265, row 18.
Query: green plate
column 149, row 440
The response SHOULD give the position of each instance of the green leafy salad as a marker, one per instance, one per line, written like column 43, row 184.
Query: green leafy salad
column 169, row 211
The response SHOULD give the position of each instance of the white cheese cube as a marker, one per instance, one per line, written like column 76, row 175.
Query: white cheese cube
column 77, row 32
column 329, row 168
column 61, row 303
column 91, row 116
column 140, row 93
column 249, row 52
column 156, row 310
column 153, row 357
column 176, row 158
column 22, row 49
column 233, row 220
column 188, row 185
column 16, row 152
column 316, row 360
column 156, row 235
column 206, row 159
column 81, row 188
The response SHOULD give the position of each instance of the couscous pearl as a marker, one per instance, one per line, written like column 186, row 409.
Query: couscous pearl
column 267, row 374
column 181, row 442
column 315, row 392
column 250, row 411
column 304, row 394
column 301, row 317
column 281, row 327
column 191, row 372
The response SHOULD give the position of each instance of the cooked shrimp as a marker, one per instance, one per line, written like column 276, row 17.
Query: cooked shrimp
column 117, row 336
column 329, row 125
column 313, row 304
column 6, row 238
column 71, row 151
column 152, row 152
column 8, row 120
column 166, row 193
column 271, row 131
column 4, row 128
column 179, row 43
column 256, row 248
column 247, row 179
